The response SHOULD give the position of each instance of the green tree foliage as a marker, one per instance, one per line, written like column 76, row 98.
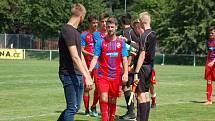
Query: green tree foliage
column 187, row 27
column 181, row 26
column 40, row 17
column 93, row 7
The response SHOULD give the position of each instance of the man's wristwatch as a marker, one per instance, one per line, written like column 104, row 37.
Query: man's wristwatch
column 136, row 73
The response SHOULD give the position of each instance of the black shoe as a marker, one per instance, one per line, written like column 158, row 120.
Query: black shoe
column 153, row 105
column 87, row 113
column 128, row 116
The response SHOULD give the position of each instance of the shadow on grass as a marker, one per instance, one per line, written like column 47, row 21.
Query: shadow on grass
column 122, row 106
column 83, row 114
column 81, row 120
column 58, row 111
column 194, row 101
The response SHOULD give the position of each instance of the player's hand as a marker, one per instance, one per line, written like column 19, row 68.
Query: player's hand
column 89, row 83
column 211, row 64
column 123, row 38
column 130, row 69
column 124, row 78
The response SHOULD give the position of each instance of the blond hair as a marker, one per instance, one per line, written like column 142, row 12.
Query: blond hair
column 78, row 9
column 135, row 23
column 146, row 17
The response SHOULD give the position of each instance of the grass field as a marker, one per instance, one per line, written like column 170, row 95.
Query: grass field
column 31, row 91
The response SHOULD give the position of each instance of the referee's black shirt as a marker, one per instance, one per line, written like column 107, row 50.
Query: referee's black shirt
column 147, row 43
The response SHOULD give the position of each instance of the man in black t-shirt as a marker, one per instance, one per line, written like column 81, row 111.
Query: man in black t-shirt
column 143, row 67
column 72, row 63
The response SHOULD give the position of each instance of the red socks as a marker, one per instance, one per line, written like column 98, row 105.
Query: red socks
column 86, row 102
column 95, row 98
column 104, row 110
column 112, row 111
column 153, row 100
column 209, row 91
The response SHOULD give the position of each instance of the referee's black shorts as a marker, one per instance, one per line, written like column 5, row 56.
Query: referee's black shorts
column 144, row 76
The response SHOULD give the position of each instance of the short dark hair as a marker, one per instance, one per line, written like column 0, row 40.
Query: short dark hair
column 211, row 28
column 112, row 20
column 104, row 15
column 125, row 19
column 92, row 17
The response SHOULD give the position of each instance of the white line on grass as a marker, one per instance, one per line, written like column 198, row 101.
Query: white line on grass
column 26, row 117
column 48, row 114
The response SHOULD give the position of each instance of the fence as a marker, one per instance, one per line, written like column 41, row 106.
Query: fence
column 41, row 54
column 180, row 59
column 25, row 41
column 163, row 59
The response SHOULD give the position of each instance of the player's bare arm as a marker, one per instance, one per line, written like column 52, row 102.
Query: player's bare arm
column 84, row 63
column 125, row 68
column 139, row 64
column 85, row 52
column 93, row 63
column 211, row 63
column 78, row 62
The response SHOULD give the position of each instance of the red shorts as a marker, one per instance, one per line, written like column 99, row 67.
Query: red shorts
column 209, row 72
column 152, row 78
column 112, row 87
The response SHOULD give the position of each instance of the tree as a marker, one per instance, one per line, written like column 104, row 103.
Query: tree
column 40, row 17
column 187, row 26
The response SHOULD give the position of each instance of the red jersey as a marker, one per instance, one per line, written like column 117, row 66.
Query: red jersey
column 211, row 50
column 102, row 34
column 110, row 57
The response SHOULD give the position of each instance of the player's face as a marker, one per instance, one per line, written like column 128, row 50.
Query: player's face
column 141, row 22
column 212, row 34
column 94, row 24
column 111, row 29
column 103, row 23
column 137, row 28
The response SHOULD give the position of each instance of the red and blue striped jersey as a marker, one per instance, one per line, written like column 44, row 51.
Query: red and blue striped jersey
column 88, row 40
column 211, row 50
column 110, row 57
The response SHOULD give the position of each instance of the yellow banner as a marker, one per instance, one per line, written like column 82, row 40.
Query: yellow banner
column 11, row 53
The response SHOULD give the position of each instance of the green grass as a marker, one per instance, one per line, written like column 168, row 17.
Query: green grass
column 31, row 91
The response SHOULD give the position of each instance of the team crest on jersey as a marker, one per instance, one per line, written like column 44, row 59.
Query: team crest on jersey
column 105, row 45
column 118, row 45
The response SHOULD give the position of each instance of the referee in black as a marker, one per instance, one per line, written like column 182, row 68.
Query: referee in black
column 143, row 66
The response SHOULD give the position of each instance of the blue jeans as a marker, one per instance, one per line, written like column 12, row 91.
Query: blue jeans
column 73, row 91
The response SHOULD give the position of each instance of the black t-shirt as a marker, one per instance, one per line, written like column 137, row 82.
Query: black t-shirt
column 130, row 35
column 147, row 43
column 69, row 36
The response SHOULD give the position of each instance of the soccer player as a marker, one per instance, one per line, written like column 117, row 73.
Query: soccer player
column 110, row 53
column 210, row 67
column 103, row 32
column 143, row 67
column 152, row 88
column 88, row 43
column 130, row 35
column 72, row 63
column 102, row 29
